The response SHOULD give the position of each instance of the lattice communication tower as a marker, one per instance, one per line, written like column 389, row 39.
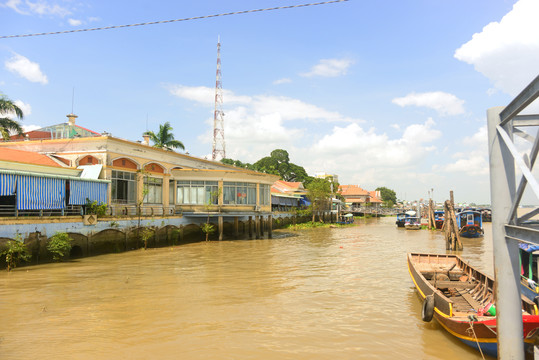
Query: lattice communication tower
column 218, row 151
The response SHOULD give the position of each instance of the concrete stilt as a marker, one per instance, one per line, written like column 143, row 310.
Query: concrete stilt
column 236, row 227
column 270, row 225
column 250, row 227
column 220, row 221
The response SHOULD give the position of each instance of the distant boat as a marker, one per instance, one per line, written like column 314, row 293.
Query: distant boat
column 486, row 215
column 461, row 299
column 439, row 219
column 412, row 223
column 401, row 217
column 470, row 223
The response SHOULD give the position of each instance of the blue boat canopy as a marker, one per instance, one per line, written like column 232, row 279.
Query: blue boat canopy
column 528, row 247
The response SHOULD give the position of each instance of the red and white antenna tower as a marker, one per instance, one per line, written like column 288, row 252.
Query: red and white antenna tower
column 218, row 151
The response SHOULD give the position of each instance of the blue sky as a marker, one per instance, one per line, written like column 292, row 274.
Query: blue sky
column 382, row 93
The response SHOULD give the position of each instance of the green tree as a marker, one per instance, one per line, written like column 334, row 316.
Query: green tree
column 15, row 252
column 388, row 196
column 7, row 125
column 59, row 245
column 164, row 138
column 319, row 193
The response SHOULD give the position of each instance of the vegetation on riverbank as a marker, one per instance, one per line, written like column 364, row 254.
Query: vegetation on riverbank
column 314, row 225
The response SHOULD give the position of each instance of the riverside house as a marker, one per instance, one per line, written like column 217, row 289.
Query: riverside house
column 132, row 178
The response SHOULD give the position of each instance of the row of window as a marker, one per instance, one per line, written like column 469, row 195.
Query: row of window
column 187, row 192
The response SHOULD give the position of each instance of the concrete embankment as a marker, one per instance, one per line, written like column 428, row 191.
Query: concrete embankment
column 114, row 235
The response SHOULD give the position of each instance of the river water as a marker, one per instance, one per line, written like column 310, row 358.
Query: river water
column 335, row 293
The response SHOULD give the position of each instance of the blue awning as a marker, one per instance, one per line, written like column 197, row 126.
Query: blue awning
column 8, row 184
column 40, row 193
column 304, row 202
column 80, row 190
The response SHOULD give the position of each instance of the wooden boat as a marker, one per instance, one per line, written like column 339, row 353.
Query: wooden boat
column 439, row 219
column 470, row 223
column 529, row 275
column 461, row 299
column 400, row 219
column 412, row 223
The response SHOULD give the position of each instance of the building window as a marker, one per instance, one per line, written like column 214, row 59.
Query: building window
column 264, row 194
column 239, row 193
column 124, row 187
column 153, row 187
column 197, row 192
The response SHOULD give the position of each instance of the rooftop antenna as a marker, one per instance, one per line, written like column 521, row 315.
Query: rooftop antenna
column 71, row 117
column 73, row 100
column 218, row 149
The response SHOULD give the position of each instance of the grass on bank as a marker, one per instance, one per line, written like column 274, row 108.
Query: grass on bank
column 316, row 224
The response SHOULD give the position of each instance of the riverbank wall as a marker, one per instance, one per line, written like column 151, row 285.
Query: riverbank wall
column 119, row 234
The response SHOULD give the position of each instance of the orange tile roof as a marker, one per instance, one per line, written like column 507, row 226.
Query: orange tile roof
column 288, row 184
column 374, row 197
column 352, row 190
column 27, row 157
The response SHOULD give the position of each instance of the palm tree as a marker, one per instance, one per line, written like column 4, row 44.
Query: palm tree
column 164, row 139
column 7, row 107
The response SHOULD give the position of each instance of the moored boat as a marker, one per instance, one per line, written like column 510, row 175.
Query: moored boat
column 439, row 219
column 461, row 299
column 400, row 219
column 486, row 215
column 529, row 274
column 470, row 223
column 412, row 223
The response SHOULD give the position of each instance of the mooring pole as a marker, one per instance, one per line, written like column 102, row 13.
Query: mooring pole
column 220, row 221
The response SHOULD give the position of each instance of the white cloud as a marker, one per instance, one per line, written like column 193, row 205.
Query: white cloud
column 444, row 103
column 471, row 163
column 288, row 109
column 74, row 22
column 329, row 68
column 473, row 160
column 26, row 108
column 421, row 133
column 507, row 52
column 26, row 128
column 282, row 81
column 317, row 139
column 205, row 95
column 25, row 68
column 39, row 7
column 367, row 157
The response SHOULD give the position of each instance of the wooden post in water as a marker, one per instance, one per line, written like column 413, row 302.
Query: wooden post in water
column 250, row 227
column 236, row 227
column 221, row 226
column 432, row 222
column 257, row 227
column 451, row 230
column 270, row 225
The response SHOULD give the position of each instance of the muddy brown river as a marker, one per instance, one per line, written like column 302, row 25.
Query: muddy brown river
column 336, row 293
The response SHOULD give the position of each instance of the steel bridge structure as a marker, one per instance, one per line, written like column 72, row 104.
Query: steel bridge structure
column 511, row 177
